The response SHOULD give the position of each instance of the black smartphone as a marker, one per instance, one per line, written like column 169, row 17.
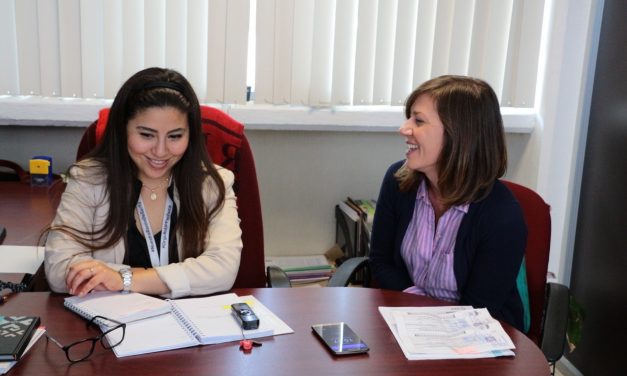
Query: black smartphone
column 340, row 339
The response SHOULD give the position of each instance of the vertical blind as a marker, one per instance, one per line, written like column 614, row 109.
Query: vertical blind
column 315, row 53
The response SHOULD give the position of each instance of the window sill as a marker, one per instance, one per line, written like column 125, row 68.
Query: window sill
column 70, row 112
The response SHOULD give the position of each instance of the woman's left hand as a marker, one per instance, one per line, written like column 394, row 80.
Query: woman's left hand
column 88, row 275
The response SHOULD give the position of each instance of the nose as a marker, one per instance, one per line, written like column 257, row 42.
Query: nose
column 406, row 129
column 160, row 147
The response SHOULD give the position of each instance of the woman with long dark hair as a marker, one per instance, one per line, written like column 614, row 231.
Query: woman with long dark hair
column 146, row 210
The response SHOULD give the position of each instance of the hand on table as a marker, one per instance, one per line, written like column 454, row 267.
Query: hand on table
column 88, row 275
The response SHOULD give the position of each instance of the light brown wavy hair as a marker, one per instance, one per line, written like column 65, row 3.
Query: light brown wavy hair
column 473, row 153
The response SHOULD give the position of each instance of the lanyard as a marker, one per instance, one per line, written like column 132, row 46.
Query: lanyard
column 162, row 257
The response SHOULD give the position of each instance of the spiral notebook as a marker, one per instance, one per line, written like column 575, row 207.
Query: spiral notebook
column 117, row 306
column 185, row 323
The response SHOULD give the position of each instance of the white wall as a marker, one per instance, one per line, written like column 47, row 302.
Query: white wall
column 20, row 143
column 565, row 89
column 302, row 174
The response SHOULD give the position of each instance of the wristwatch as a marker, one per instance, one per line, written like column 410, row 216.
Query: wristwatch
column 127, row 276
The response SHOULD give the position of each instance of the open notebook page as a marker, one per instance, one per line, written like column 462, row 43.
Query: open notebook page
column 117, row 306
column 213, row 321
column 154, row 334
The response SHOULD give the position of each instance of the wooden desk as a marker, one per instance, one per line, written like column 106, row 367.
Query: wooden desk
column 24, row 211
column 299, row 353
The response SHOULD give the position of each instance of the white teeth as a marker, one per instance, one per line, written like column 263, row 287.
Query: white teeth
column 412, row 147
column 156, row 162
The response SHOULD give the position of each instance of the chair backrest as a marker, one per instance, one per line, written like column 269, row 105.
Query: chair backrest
column 227, row 146
column 538, row 220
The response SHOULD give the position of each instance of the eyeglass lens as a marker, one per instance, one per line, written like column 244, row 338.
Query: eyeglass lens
column 81, row 350
column 113, row 337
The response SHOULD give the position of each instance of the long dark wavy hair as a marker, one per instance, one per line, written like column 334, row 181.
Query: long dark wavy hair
column 152, row 87
column 473, row 154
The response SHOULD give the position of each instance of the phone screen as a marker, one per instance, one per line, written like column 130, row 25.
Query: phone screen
column 340, row 338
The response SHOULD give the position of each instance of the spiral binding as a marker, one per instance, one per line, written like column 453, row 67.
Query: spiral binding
column 185, row 322
column 81, row 311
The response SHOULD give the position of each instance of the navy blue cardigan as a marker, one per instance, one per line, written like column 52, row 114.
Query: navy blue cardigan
column 489, row 248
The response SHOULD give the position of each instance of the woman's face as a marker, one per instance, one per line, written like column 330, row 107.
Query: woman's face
column 157, row 139
column 424, row 136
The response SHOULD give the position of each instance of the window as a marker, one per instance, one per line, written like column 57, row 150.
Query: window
column 314, row 53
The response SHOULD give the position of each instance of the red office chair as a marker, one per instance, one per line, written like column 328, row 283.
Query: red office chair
column 228, row 146
column 538, row 219
column 548, row 302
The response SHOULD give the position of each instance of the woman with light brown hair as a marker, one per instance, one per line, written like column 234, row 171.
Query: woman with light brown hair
column 444, row 225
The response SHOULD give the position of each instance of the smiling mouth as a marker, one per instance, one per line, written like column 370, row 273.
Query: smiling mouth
column 411, row 147
column 156, row 162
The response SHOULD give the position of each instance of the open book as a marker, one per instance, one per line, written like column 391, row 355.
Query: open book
column 154, row 325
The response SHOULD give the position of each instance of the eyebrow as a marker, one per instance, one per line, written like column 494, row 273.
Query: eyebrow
column 148, row 129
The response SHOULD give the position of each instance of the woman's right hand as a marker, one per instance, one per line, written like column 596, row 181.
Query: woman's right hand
column 88, row 275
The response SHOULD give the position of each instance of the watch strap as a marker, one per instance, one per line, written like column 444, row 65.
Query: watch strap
column 127, row 276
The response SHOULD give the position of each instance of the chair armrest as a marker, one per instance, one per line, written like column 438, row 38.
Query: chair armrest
column 347, row 270
column 18, row 171
column 276, row 277
column 555, row 321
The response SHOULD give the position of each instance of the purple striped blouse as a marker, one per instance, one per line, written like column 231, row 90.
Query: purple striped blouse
column 428, row 250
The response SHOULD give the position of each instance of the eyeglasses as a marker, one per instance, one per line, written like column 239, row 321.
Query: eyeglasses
column 81, row 350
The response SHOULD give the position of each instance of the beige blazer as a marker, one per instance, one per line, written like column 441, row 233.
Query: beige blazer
column 84, row 205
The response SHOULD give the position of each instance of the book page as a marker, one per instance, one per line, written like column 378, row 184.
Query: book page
column 444, row 332
column 464, row 332
column 154, row 334
column 214, row 323
column 117, row 305
column 273, row 321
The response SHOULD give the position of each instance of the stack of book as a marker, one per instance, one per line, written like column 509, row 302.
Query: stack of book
column 354, row 225
column 303, row 269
